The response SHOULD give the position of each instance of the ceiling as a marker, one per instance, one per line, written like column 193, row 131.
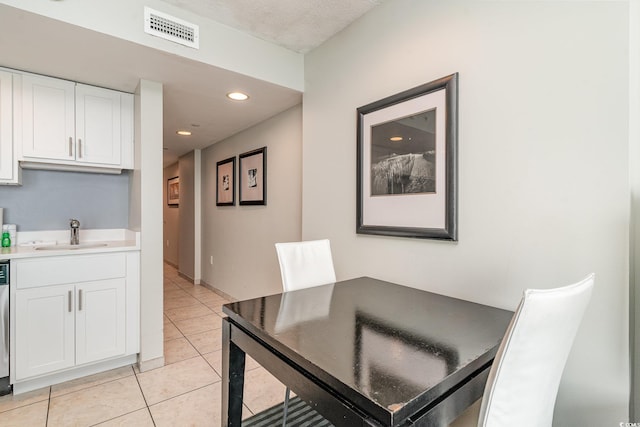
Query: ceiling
column 298, row 25
column 194, row 92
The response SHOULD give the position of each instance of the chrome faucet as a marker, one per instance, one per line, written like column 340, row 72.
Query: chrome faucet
column 75, row 231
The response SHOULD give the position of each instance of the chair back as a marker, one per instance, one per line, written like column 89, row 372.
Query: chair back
column 525, row 375
column 296, row 309
column 305, row 264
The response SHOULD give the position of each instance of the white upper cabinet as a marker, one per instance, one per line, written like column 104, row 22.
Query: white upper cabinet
column 48, row 118
column 97, row 125
column 69, row 124
column 9, row 173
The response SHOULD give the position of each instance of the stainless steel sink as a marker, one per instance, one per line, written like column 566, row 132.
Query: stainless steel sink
column 66, row 247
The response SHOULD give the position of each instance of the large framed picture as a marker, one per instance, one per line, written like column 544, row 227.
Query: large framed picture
column 226, row 182
column 173, row 191
column 252, row 183
column 407, row 163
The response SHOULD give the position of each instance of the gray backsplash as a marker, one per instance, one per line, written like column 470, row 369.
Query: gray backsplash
column 48, row 199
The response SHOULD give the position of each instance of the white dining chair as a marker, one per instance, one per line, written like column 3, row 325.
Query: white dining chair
column 295, row 309
column 524, row 378
column 304, row 265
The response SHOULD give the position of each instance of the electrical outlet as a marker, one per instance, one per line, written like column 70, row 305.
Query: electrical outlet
column 211, row 260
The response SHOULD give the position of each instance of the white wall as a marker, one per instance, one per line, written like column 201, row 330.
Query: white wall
column 186, row 221
column 145, row 216
column 197, row 217
column 543, row 167
column 241, row 238
column 170, row 217
column 634, row 178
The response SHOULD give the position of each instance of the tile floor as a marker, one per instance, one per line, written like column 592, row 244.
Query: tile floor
column 184, row 392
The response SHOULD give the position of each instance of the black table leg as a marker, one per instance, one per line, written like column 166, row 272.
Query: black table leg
column 232, row 379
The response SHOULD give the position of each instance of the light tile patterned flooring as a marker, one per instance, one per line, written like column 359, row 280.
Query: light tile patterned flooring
column 185, row 392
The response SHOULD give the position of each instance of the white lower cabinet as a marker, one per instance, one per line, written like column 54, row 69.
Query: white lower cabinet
column 100, row 320
column 46, row 328
column 71, row 312
column 58, row 327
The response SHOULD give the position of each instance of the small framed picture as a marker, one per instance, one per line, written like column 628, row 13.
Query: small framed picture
column 173, row 191
column 226, row 182
column 253, row 177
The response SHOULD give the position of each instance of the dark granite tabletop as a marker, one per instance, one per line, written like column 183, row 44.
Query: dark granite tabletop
column 387, row 348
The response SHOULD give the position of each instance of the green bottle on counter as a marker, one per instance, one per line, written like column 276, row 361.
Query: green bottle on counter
column 6, row 240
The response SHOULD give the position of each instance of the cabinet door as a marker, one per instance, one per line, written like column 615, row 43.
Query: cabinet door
column 127, row 130
column 48, row 130
column 98, row 138
column 44, row 330
column 100, row 320
column 7, row 170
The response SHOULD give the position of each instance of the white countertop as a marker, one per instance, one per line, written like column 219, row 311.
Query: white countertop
column 112, row 240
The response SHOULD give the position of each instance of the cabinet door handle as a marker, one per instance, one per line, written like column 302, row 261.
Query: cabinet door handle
column 80, row 300
column 70, row 301
column 70, row 147
column 79, row 148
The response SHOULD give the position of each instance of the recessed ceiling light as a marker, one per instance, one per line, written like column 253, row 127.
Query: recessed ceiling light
column 184, row 133
column 395, row 138
column 238, row 96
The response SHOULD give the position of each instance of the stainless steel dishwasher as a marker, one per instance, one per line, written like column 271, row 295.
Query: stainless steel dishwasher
column 5, row 387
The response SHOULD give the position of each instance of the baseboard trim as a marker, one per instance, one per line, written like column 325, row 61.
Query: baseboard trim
column 171, row 264
column 184, row 276
column 148, row 365
column 71, row 374
column 217, row 291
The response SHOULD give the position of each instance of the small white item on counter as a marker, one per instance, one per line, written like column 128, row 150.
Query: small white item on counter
column 38, row 243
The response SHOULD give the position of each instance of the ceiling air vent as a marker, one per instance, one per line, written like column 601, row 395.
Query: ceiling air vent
column 170, row 28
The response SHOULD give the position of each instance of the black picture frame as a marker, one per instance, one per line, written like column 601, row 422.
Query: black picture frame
column 173, row 191
column 407, row 160
column 226, row 182
column 252, row 177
